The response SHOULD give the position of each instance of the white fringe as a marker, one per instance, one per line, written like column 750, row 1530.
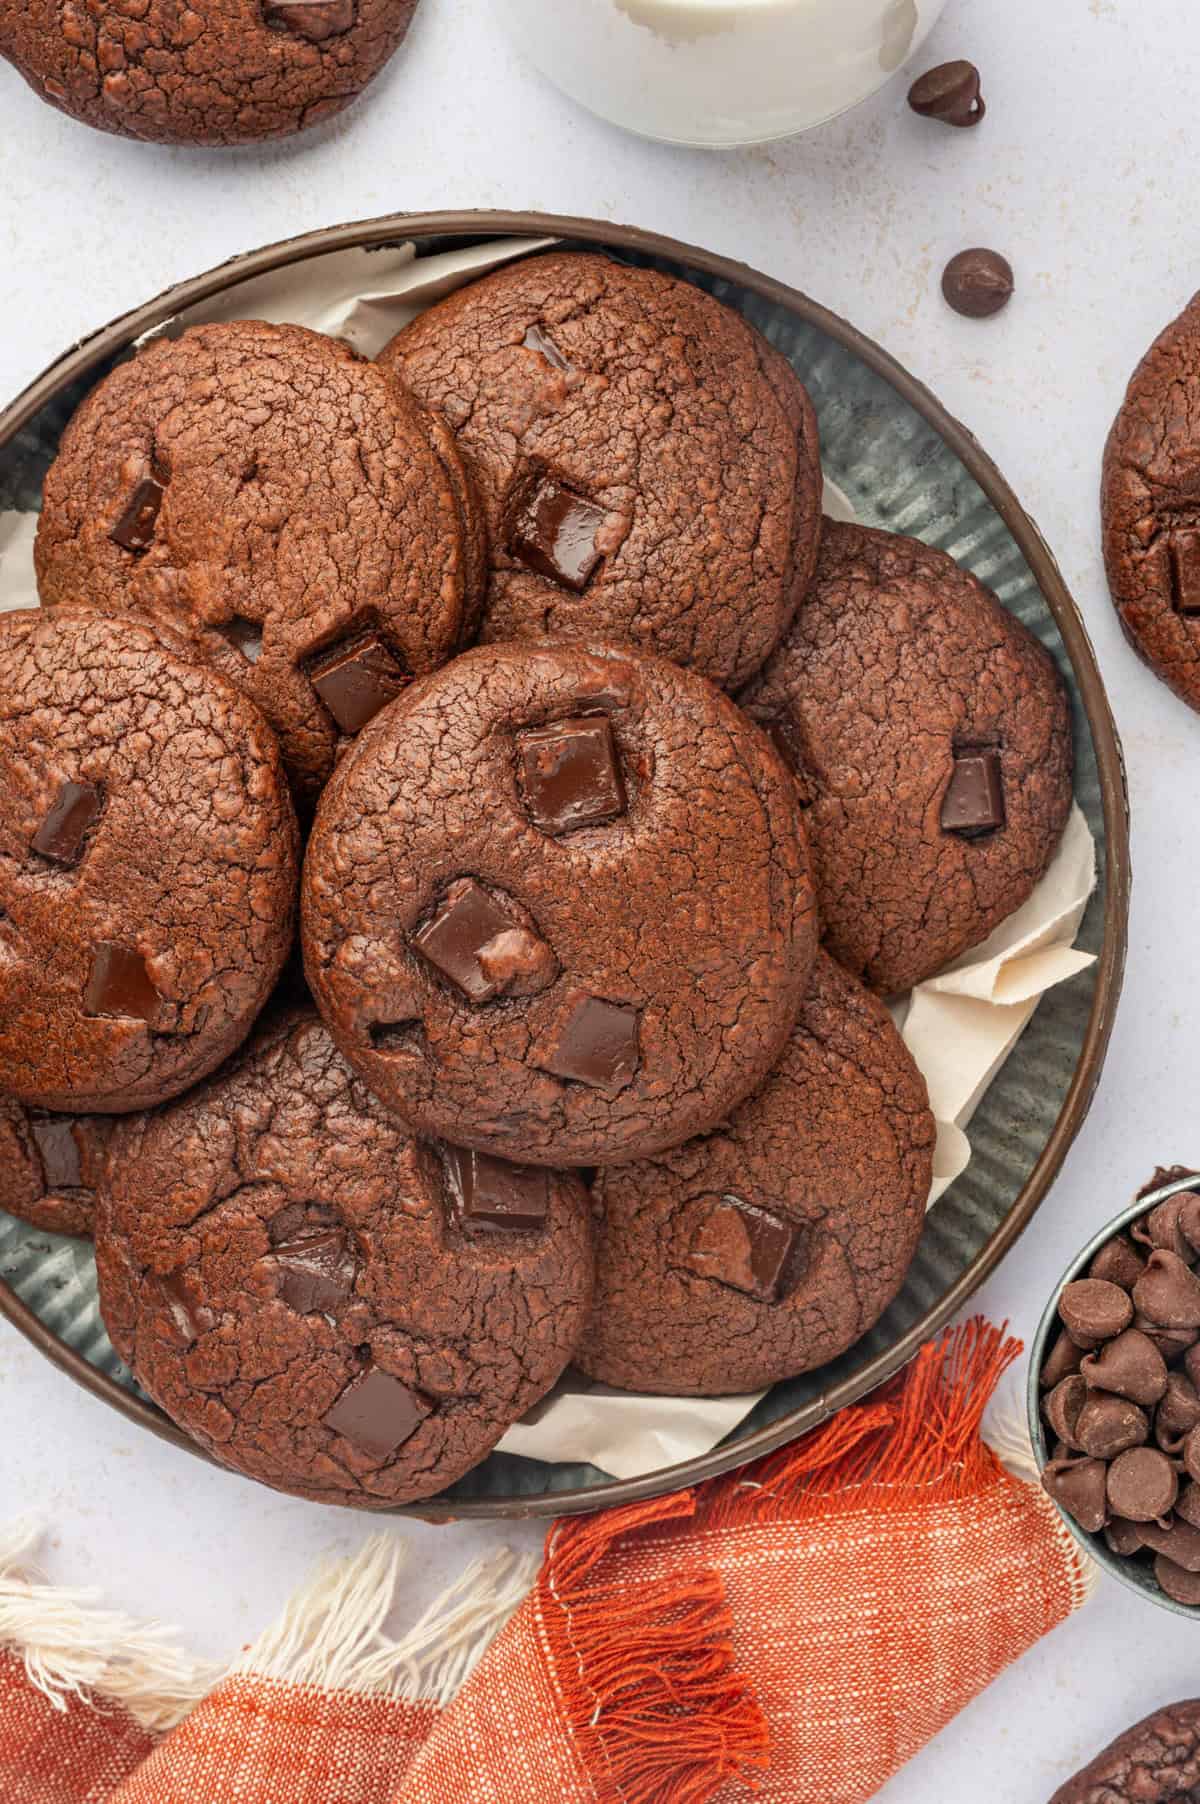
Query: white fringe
column 1006, row 1431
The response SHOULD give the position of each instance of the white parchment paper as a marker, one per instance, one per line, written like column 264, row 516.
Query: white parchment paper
column 960, row 1026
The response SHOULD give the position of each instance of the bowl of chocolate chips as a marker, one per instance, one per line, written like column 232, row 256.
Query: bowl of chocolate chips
column 1114, row 1394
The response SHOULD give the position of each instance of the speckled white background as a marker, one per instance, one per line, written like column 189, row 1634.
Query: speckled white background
column 1084, row 174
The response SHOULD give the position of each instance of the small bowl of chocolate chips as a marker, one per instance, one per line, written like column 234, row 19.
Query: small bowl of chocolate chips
column 1114, row 1394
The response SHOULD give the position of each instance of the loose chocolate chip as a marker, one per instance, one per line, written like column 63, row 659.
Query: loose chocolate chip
column 1078, row 1486
column 490, row 1194
column 1062, row 1407
column 244, row 635
column 978, row 283
column 1187, row 1504
column 134, row 531
column 377, row 1414
column 1179, row 1541
column 315, row 20
column 1185, row 572
column 317, row 1263
column 1168, row 1291
column 1130, row 1366
column 467, row 939
column 949, row 93
column 1163, row 1228
column 747, row 1248
column 537, row 340
column 1094, row 1311
column 554, row 533
column 1124, row 1538
column 58, row 1150
column 594, row 1043
column 1179, row 1411
column 974, row 801
column 1106, row 1426
column 1180, row 1585
column 64, row 833
column 120, row 986
column 356, row 679
column 570, row 775
column 1118, row 1262
column 1062, row 1359
column 1142, row 1485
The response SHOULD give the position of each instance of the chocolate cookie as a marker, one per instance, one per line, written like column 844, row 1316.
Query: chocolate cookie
column 148, row 857
column 50, row 1166
column 649, row 464
column 324, row 1303
column 231, row 72
column 1155, row 1762
column 557, row 904
column 771, row 1244
column 285, row 504
column 1150, row 506
column 931, row 740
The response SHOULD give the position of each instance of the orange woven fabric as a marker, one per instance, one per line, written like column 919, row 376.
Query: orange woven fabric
column 795, row 1630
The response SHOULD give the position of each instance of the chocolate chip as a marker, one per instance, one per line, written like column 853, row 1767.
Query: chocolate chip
column 949, row 93
column 1078, row 1486
column 1062, row 1359
column 1191, row 1363
column 244, row 635
column 1142, row 1485
column 189, row 1317
column 58, row 1150
column 317, row 1264
column 1094, row 1311
column 493, row 1195
column 1172, row 1343
column 595, row 1043
column 1062, row 1407
column 1187, row 1504
column 467, row 928
column 978, row 283
column 1191, row 1455
column 355, row 679
column 553, row 532
column 974, row 799
column 315, row 20
column 72, row 816
column 570, row 775
column 1184, row 554
column 1168, row 1291
column 1118, row 1262
column 536, row 340
column 1124, row 1538
column 1179, row 1411
column 747, row 1248
column 120, row 986
column 1130, row 1366
column 1106, row 1426
column 1179, row 1541
column 377, row 1414
column 134, row 530
column 1163, row 1227
column 1180, row 1585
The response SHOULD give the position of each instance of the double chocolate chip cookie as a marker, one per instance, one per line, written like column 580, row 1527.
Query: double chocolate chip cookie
column 227, row 72
column 1155, row 1762
column 282, row 502
column 148, row 864
column 649, row 464
column 930, row 737
column 557, row 904
column 324, row 1303
column 51, row 1166
column 770, row 1245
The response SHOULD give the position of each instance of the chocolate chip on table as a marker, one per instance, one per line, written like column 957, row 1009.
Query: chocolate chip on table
column 1061, row 1408
column 1061, row 1361
column 949, row 93
column 978, row 283
column 1094, row 1311
column 1129, row 1366
column 1118, row 1262
column 1168, row 1291
column 1142, row 1485
column 745, row 1247
column 63, row 835
column 1107, row 1425
column 1079, row 1486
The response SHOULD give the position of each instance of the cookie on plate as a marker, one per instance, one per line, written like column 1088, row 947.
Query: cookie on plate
column 148, row 864
column 1150, row 506
column 50, row 1166
column 284, row 503
column 323, row 1302
column 649, row 464
column 557, row 904
column 930, row 736
column 770, row 1245
column 232, row 72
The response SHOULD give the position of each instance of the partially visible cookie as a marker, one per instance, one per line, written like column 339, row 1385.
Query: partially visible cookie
column 1150, row 507
column 649, row 464
column 285, row 504
column 50, row 1166
column 1155, row 1762
column 324, row 1303
column 930, row 736
column 770, row 1245
column 230, row 72
column 148, row 854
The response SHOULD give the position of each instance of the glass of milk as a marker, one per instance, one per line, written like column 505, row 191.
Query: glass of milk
column 718, row 72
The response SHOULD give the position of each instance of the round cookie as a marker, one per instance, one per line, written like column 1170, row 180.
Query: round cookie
column 930, row 736
column 323, row 1302
column 282, row 502
column 1150, row 507
column 1155, row 1762
column 772, row 1244
column 148, row 864
column 230, row 72
column 557, row 904
column 649, row 464
column 51, row 1166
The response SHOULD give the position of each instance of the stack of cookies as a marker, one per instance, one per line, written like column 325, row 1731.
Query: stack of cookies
column 607, row 791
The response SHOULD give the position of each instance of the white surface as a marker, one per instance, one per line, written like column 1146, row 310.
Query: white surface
column 1082, row 174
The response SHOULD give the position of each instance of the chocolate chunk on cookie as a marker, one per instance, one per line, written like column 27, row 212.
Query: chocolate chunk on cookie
column 930, row 735
column 231, row 72
column 770, row 1245
column 50, row 1166
column 284, row 504
column 1155, row 1762
column 648, row 463
column 148, row 864
column 323, row 1302
column 557, row 904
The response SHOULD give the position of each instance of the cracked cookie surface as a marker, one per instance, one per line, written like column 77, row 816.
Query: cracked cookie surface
column 148, row 864
column 1155, row 1762
column 768, row 1246
column 649, row 464
column 930, row 736
column 282, row 502
column 291, row 1277
column 557, row 904
column 50, row 1166
column 227, row 72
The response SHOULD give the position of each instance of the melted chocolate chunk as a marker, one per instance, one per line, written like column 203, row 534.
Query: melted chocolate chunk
column 244, row 635
column 134, row 531
column 187, row 1316
column 356, row 679
column 596, row 1043
column 315, row 20
column 120, row 985
column 536, row 340
column 63, row 835
column 974, row 800
column 570, row 774
column 467, row 924
column 377, row 1413
column 490, row 1194
column 1185, row 572
column 554, row 533
column 317, row 1263
column 745, row 1248
column 58, row 1150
